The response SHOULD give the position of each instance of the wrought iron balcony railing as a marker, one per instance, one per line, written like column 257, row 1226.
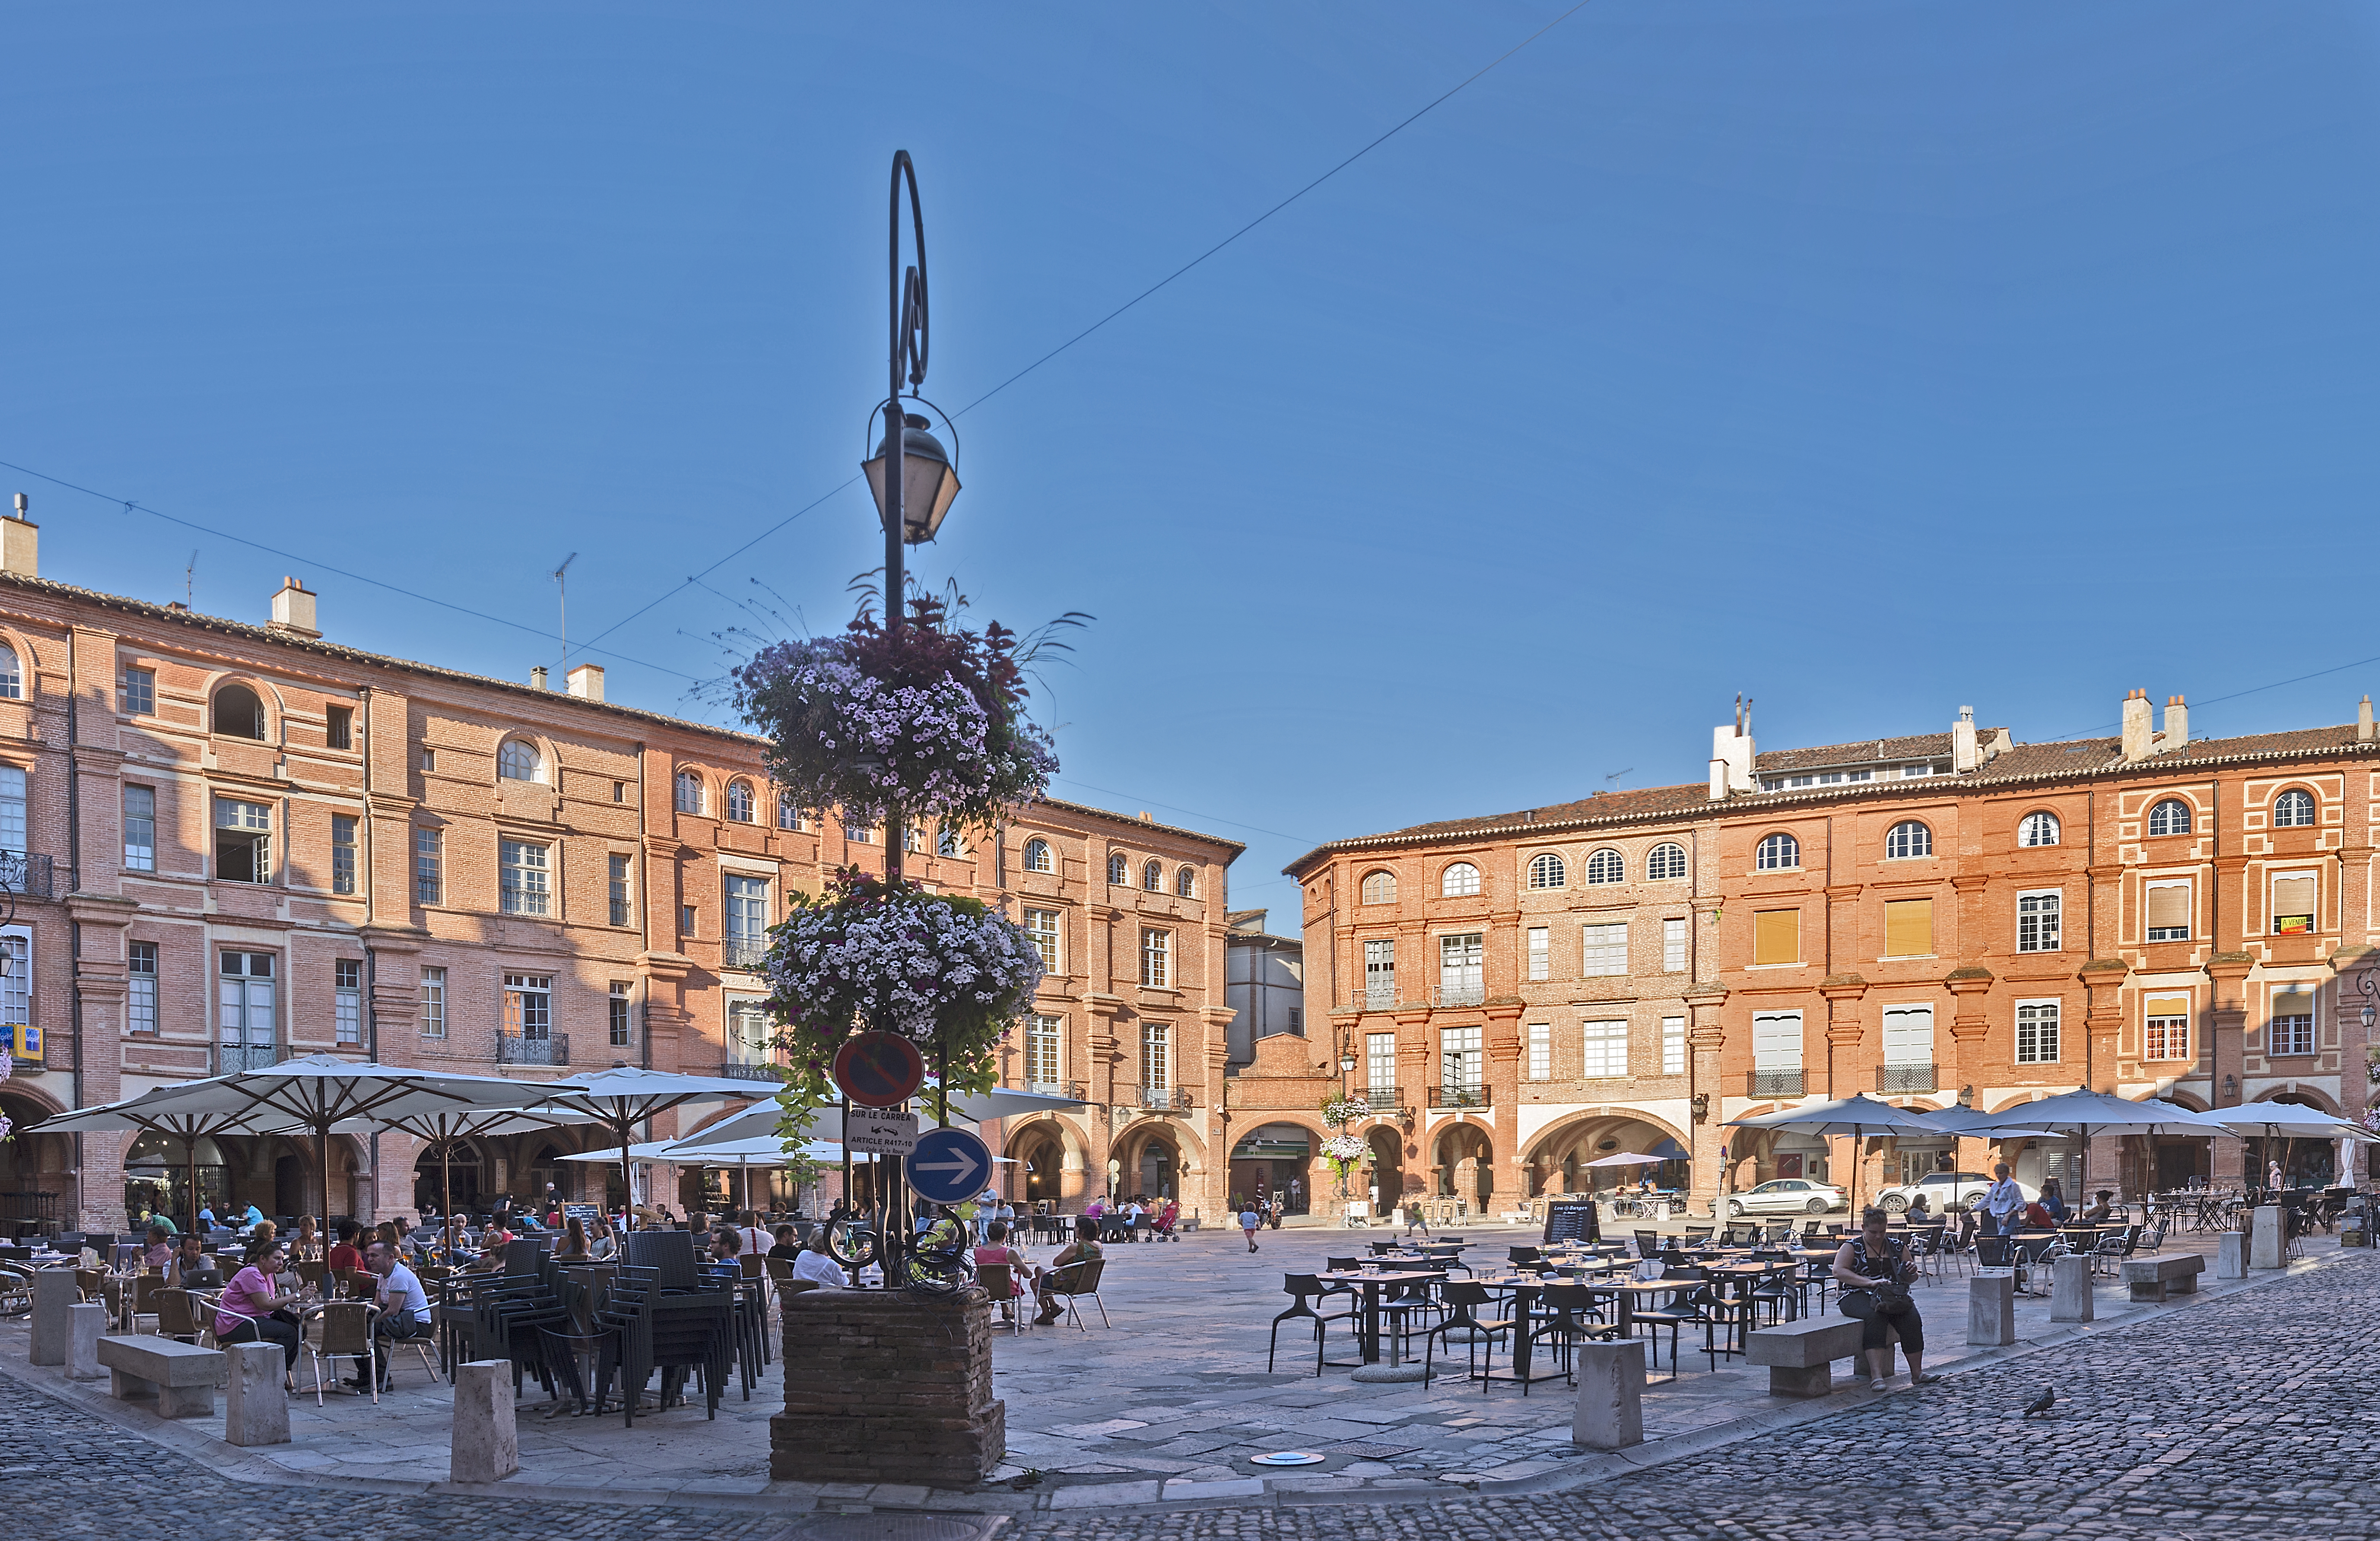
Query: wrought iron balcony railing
column 1381, row 1100
column 747, row 1069
column 1073, row 1089
column 1373, row 998
column 742, row 952
column 1904, row 1078
column 31, row 874
column 1460, row 995
column 1173, row 1100
column 513, row 1048
column 1458, row 1096
column 234, row 1057
column 1774, row 1083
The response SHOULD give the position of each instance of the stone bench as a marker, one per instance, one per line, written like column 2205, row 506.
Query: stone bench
column 181, row 1376
column 2154, row 1278
column 1801, row 1354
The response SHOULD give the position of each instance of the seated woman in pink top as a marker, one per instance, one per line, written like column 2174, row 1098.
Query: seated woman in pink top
column 996, row 1251
column 244, row 1313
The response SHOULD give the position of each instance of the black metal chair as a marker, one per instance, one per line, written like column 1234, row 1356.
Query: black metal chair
column 1675, row 1315
column 1300, row 1289
column 1648, row 1243
column 1573, row 1316
column 1463, row 1300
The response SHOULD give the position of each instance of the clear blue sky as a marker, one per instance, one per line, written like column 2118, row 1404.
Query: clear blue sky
column 1872, row 358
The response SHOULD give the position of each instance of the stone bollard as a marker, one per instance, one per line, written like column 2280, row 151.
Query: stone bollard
column 486, row 1442
column 53, row 1293
column 85, row 1324
column 1991, row 1310
column 2267, row 1240
column 2070, row 1289
column 1610, row 1411
column 256, row 1398
column 2232, row 1254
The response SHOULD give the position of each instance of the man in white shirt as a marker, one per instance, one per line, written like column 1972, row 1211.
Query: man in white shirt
column 404, row 1310
column 2002, row 1199
column 815, row 1266
column 756, row 1241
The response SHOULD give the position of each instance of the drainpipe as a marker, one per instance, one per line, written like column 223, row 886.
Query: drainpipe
column 74, row 927
column 371, row 958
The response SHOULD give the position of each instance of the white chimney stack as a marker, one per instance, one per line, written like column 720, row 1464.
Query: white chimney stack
column 21, row 543
column 586, row 680
column 1962, row 742
column 2136, row 726
column 537, row 677
column 293, row 611
column 2364, row 722
column 1731, row 751
column 2176, row 725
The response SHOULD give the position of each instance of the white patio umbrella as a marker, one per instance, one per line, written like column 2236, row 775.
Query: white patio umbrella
column 622, row 1097
column 2290, row 1121
column 764, row 1151
column 967, row 1106
column 1856, row 1117
column 1626, row 1158
column 156, row 1112
column 2083, row 1113
column 442, row 1126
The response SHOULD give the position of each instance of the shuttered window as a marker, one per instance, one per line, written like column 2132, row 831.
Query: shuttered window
column 2293, row 902
column 1908, row 927
column 2291, row 1029
column 1777, row 936
column 1777, row 1041
column 2169, row 912
column 2165, row 1035
column 1909, row 1035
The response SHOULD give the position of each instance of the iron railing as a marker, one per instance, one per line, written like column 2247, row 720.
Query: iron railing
column 512, row 1048
column 1367, row 997
column 1071, row 1089
column 1459, row 995
column 1380, row 1099
column 1174, row 1100
column 1904, row 1078
column 742, row 952
column 31, row 874
column 1458, row 1096
column 1774, row 1083
column 233, row 1058
column 746, row 1070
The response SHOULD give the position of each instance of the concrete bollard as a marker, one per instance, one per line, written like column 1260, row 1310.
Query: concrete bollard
column 486, row 1440
column 85, row 1324
column 2232, row 1254
column 2268, row 1239
column 2070, row 1289
column 1991, row 1310
column 1610, row 1411
column 255, row 1400
column 53, row 1293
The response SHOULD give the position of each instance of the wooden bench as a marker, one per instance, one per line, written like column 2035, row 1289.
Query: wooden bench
column 1801, row 1354
column 180, row 1376
column 2152, row 1278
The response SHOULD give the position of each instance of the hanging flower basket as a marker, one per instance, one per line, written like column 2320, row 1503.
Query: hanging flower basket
column 1340, row 1112
column 949, row 973
column 1345, row 1150
column 926, row 719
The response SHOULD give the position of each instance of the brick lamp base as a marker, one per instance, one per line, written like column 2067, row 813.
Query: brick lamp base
column 883, row 1387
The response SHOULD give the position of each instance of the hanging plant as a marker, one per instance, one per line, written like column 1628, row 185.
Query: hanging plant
column 949, row 973
column 1340, row 1112
column 7, row 1069
column 926, row 719
column 1343, row 1151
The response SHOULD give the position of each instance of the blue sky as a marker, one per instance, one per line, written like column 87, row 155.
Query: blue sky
column 1870, row 358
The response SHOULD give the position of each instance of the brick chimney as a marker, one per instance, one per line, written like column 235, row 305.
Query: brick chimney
column 21, row 543
column 586, row 680
column 293, row 611
column 2136, row 726
column 2176, row 725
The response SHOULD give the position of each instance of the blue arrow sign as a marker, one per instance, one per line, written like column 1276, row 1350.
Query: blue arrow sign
column 950, row 1166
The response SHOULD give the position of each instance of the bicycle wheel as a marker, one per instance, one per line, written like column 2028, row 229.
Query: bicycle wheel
column 849, row 1242
column 940, row 1273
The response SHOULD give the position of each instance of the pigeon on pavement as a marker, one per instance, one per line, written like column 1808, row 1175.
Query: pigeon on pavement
column 2043, row 1402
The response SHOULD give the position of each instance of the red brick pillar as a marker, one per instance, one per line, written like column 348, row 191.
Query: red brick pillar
column 883, row 1386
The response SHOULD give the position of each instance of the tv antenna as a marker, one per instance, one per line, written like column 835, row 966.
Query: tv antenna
column 189, row 578
column 562, row 588
column 1612, row 776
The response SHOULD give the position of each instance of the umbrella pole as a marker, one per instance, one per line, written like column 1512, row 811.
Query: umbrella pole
column 190, row 1143
column 627, row 1193
column 446, row 1191
column 323, row 1164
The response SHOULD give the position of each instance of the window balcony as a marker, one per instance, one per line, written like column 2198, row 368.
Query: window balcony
column 747, row 1070
column 1459, row 995
column 233, row 1058
column 512, row 1048
column 29, row 875
column 1166, row 1099
column 1904, row 1078
column 742, row 952
column 1774, row 1083
column 1071, row 1091
column 1384, row 1101
column 1457, row 1097
column 1373, row 998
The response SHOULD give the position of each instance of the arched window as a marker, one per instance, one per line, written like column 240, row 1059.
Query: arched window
column 1036, row 856
column 1545, row 870
column 1152, row 876
column 2169, row 817
column 1119, row 868
column 1379, row 887
column 739, row 802
column 1665, row 864
column 239, row 714
column 1777, row 851
column 1607, row 866
column 1185, row 882
column 789, row 813
column 689, row 791
column 1907, row 839
column 518, row 760
column 2292, row 809
column 1461, row 881
column 12, row 678
column 2038, row 829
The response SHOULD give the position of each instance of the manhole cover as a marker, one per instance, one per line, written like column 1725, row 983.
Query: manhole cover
column 1369, row 1452
column 883, row 1526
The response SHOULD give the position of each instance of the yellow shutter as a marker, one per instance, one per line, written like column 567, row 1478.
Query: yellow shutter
column 2293, row 897
column 2170, row 906
column 2293, row 1003
column 1777, row 936
column 1908, row 927
column 2168, row 1006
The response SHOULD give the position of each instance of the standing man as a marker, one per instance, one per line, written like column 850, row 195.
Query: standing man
column 2002, row 1200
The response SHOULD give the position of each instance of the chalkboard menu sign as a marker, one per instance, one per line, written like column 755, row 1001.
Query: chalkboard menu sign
column 1573, row 1221
column 589, row 1212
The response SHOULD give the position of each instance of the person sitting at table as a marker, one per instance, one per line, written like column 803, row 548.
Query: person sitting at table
column 207, row 1217
column 403, row 1312
column 997, row 1251
column 2035, row 1217
column 254, row 1218
column 1920, row 1212
column 2102, row 1210
column 306, row 1246
column 1085, row 1249
column 1874, row 1272
column 817, row 1266
column 573, row 1247
column 158, row 1252
column 726, row 1242
column 254, row 1310
column 188, row 1262
column 345, row 1256
column 788, row 1244
column 756, row 1241
column 2053, row 1199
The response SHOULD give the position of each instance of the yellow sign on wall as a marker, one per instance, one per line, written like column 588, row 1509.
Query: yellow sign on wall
column 24, row 1041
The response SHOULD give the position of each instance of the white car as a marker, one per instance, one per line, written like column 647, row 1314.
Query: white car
column 1945, row 1191
column 1786, row 1196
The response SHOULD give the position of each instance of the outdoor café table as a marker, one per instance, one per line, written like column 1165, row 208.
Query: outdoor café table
column 1524, row 1289
column 1371, row 1283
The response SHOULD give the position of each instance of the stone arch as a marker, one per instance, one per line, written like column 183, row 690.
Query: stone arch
column 270, row 701
column 1393, row 1180
column 1553, row 1164
column 1052, row 1155
column 1161, row 1152
column 1280, row 1173
column 1463, row 1163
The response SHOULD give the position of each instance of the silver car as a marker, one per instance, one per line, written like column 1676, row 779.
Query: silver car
column 1945, row 1191
column 1786, row 1196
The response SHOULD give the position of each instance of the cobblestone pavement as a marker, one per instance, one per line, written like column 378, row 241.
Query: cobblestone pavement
column 2243, row 1417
